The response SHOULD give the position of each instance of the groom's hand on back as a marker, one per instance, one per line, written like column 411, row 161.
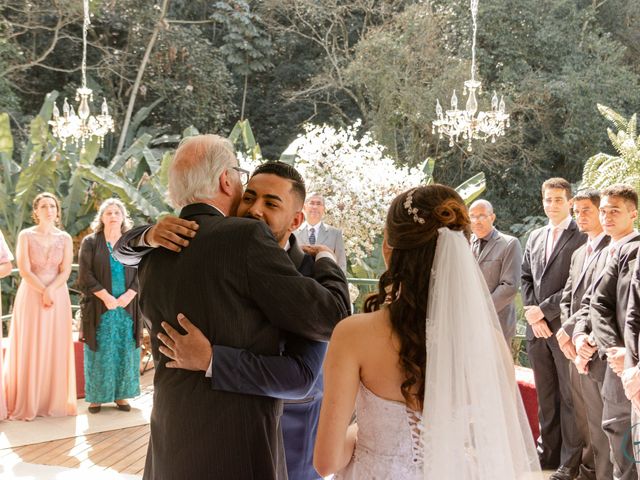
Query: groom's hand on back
column 191, row 351
column 170, row 233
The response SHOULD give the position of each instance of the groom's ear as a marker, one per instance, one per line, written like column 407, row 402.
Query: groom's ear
column 298, row 219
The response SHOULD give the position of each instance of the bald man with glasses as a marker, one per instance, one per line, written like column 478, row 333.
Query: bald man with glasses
column 500, row 259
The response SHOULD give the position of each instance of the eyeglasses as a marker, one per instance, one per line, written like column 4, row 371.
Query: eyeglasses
column 478, row 218
column 244, row 175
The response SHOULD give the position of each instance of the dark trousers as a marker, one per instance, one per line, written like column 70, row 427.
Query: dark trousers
column 616, row 423
column 587, row 463
column 592, row 398
column 635, row 436
column 559, row 443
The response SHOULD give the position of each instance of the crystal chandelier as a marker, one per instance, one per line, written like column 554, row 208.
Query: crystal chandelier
column 81, row 126
column 455, row 123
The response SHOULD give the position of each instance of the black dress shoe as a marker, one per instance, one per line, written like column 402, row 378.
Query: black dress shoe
column 125, row 407
column 564, row 473
column 95, row 409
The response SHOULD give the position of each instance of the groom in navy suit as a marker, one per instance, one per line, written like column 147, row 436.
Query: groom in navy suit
column 275, row 195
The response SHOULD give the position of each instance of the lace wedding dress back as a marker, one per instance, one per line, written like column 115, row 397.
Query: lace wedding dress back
column 389, row 440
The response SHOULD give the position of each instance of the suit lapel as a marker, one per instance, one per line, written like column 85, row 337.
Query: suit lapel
column 603, row 243
column 580, row 258
column 295, row 252
column 489, row 246
column 322, row 235
column 564, row 238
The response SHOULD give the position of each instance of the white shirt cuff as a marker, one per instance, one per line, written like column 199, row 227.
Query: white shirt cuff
column 325, row 254
column 139, row 241
column 209, row 372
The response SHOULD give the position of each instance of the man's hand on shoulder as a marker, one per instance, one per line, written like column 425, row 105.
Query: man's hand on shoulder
column 191, row 351
column 169, row 233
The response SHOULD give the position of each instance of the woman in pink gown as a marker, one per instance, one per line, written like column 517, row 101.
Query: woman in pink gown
column 5, row 269
column 39, row 370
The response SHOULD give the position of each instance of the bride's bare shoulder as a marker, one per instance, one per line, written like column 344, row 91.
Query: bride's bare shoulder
column 362, row 325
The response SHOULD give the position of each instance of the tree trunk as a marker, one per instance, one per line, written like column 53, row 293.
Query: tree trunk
column 136, row 84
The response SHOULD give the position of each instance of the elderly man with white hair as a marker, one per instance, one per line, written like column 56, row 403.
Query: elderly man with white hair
column 500, row 259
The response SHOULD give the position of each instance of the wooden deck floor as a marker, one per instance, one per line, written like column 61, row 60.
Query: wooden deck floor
column 121, row 451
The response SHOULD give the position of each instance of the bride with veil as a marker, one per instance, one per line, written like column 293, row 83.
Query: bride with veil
column 426, row 368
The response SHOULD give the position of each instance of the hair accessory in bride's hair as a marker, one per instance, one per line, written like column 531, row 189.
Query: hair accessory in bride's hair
column 411, row 211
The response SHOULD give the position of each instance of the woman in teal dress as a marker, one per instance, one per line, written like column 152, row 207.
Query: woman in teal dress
column 111, row 322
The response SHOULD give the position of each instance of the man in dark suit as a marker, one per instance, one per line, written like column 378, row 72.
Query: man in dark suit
column 275, row 195
column 240, row 288
column 545, row 269
column 587, row 401
column 608, row 310
column 631, row 375
column 500, row 259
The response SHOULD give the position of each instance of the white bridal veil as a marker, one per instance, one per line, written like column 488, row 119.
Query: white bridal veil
column 474, row 420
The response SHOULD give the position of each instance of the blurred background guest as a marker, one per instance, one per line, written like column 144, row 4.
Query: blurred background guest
column 39, row 371
column 5, row 269
column 315, row 232
column 111, row 322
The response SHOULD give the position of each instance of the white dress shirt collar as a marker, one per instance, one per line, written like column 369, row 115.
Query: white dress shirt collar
column 563, row 225
column 623, row 240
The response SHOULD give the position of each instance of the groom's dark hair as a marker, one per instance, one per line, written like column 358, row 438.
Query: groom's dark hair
column 412, row 232
column 286, row 171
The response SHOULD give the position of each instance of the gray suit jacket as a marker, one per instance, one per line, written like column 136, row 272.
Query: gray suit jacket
column 500, row 262
column 329, row 236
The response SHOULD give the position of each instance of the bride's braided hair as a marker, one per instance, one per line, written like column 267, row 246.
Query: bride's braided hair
column 412, row 227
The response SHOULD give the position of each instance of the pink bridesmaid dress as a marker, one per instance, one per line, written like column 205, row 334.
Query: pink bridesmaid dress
column 5, row 256
column 39, row 370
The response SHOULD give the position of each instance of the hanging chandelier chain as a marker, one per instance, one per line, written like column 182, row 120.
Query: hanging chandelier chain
column 85, row 26
column 474, row 19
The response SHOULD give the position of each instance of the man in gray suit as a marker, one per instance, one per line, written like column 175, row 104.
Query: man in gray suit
column 500, row 259
column 315, row 232
column 545, row 269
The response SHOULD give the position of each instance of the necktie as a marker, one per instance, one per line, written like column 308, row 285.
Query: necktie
column 587, row 259
column 312, row 236
column 478, row 246
column 551, row 241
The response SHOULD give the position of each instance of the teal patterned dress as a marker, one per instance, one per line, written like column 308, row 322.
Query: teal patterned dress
column 111, row 372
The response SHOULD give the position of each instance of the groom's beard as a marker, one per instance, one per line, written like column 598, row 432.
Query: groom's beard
column 278, row 235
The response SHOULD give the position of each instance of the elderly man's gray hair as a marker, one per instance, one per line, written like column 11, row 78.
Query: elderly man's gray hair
column 482, row 203
column 196, row 167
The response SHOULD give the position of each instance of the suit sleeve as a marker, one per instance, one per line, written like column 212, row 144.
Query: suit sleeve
column 526, row 285
column 341, row 256
column 510, row 274
column 87, row 281
column 309, row 307
column 568, row 321
column 287, row 376
column 602, row 311
column 126, row 250
column 632, row 319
